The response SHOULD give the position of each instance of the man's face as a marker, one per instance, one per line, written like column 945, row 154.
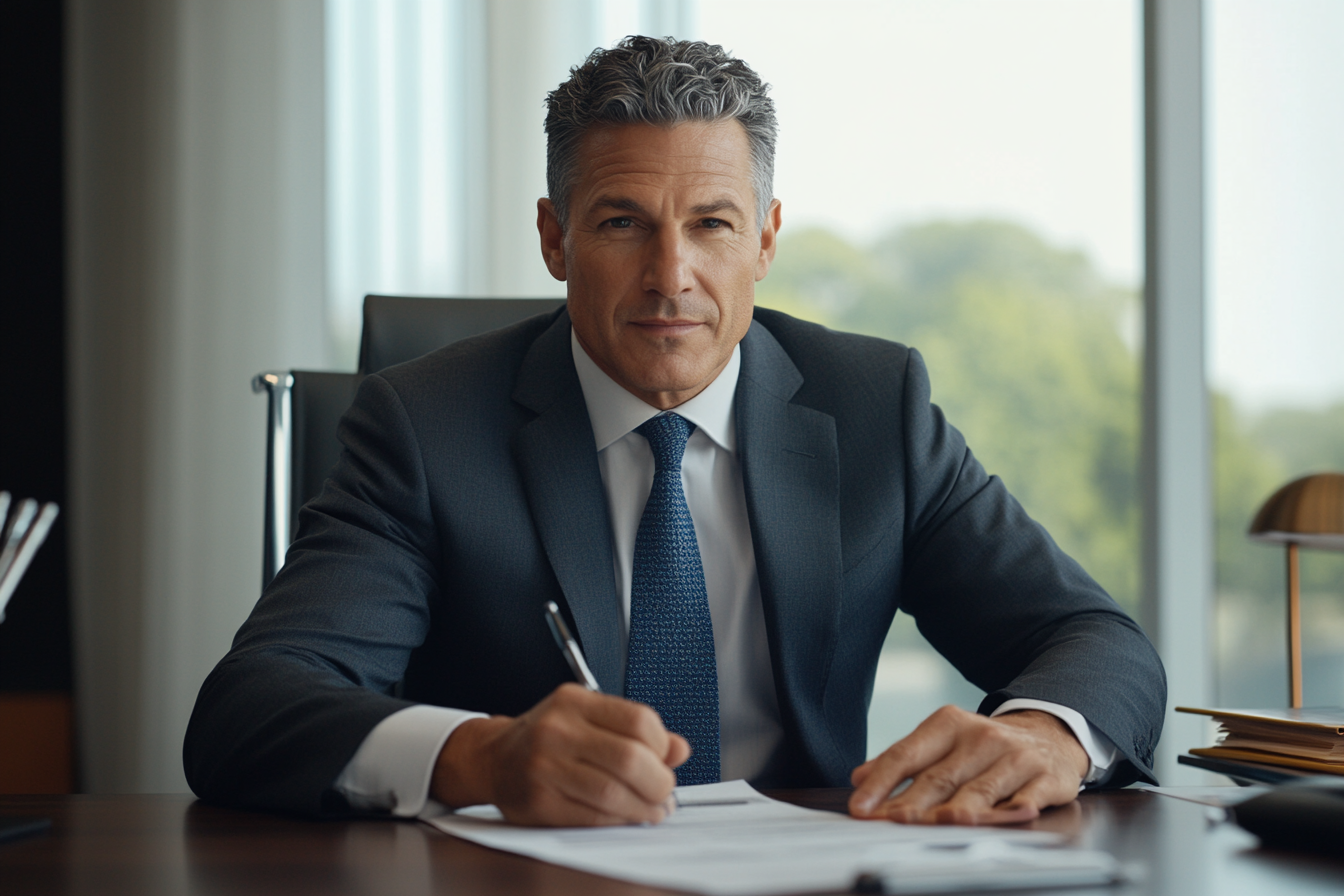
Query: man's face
column 662, row 253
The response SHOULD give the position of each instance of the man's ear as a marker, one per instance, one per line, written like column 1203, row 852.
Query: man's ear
column 552, row 239
column 769, row 239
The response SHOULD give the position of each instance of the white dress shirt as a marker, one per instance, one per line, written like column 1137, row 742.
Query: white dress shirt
column 393, row 767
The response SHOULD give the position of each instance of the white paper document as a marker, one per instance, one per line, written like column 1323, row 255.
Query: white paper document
column 729, row 840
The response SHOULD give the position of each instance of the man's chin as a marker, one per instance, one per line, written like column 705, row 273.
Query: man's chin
column 658, row 387
column 676, row 371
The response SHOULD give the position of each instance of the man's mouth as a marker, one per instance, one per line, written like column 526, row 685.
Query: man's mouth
column 671, row 328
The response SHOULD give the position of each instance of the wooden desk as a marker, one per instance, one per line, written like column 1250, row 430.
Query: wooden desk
column 148, row 845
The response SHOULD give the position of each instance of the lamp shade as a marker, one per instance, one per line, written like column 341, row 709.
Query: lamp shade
column 1307, row 511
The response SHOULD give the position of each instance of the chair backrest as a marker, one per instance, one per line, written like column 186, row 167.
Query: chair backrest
column 399, row 328
column 304, row 406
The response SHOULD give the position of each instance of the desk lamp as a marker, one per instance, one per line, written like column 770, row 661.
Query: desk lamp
column 1307, row 512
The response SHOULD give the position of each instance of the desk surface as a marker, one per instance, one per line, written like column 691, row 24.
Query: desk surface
column 148, row 845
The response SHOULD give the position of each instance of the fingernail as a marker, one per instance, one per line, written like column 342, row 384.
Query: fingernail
column 670, row 806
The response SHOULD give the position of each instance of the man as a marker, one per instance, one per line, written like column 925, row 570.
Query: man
column 731, row 568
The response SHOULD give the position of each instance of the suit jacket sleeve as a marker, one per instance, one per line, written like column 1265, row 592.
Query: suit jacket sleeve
column 993, row 593
column 311, row 671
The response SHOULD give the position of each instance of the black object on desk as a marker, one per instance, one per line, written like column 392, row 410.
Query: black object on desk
column 15, row 828
column 1245, row 773
column 1306, row 815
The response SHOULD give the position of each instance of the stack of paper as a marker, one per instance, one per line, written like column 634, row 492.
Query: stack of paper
column 729, row 840
column 1310, row 739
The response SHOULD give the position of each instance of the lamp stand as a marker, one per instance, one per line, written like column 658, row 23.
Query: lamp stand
column 1294, row 631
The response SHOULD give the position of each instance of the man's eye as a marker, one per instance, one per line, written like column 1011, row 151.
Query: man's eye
column 713, row 223
column 619, row 223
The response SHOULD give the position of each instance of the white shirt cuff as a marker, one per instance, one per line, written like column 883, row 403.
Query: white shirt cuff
column 1100, row 751
column 393, row 767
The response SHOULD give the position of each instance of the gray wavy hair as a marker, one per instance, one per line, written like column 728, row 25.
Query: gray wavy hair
column 648, row 80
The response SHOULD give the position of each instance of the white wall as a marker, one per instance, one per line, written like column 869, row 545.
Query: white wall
column 196, row 259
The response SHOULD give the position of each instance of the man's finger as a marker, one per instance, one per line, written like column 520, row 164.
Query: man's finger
column 931, row 741
column 606, row 795
column 624, row 717
column 576, row 758
column 1026, row 804
column 968, row 772
column 625, row 760
column 860, row 774
column 1037, row 795
column 557, row 808
column 678, row 750
column 984, row 793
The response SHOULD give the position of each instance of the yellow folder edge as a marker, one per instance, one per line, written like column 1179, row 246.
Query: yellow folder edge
column 1262, row 717
column 1329, row 768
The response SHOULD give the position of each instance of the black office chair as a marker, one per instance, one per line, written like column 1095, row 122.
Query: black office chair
column 304, row 406
column 399, row 328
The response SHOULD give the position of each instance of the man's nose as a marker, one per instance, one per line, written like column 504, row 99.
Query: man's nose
column 668, row 270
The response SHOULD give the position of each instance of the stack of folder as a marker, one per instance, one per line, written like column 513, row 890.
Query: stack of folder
column 1307, row 739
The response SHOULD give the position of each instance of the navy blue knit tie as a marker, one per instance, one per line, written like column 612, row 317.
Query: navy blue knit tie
column 670, row 664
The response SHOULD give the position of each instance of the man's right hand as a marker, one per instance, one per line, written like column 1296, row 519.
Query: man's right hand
column 577, row 758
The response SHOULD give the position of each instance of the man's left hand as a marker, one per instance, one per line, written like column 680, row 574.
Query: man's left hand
column 970, row 769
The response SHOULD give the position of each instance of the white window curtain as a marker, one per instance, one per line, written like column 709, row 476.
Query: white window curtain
column 195, row 202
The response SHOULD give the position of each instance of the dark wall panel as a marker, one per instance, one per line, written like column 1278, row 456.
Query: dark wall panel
column 35, row 637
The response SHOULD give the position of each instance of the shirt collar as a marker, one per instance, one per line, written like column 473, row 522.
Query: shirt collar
column 614, row 412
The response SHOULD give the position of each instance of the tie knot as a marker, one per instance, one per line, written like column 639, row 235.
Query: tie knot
column 667, row 435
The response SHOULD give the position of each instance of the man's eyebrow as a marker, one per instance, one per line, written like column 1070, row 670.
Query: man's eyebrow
column 618, row 203
column 718, row 205
column 625, row 204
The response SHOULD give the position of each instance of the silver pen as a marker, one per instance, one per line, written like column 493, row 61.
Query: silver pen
column 570, row 648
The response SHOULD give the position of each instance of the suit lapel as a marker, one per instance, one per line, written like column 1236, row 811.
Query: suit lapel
column 558, row 460
column 790, row 471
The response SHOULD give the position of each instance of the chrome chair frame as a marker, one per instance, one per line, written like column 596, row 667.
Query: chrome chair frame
column 279, row 388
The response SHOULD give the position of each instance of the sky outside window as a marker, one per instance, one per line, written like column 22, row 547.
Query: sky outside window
column 1275, row 88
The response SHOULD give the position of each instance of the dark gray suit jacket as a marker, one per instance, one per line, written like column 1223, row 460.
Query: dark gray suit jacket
column 468, row 495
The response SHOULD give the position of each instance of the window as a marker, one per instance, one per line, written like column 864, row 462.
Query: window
column 1276, row 84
